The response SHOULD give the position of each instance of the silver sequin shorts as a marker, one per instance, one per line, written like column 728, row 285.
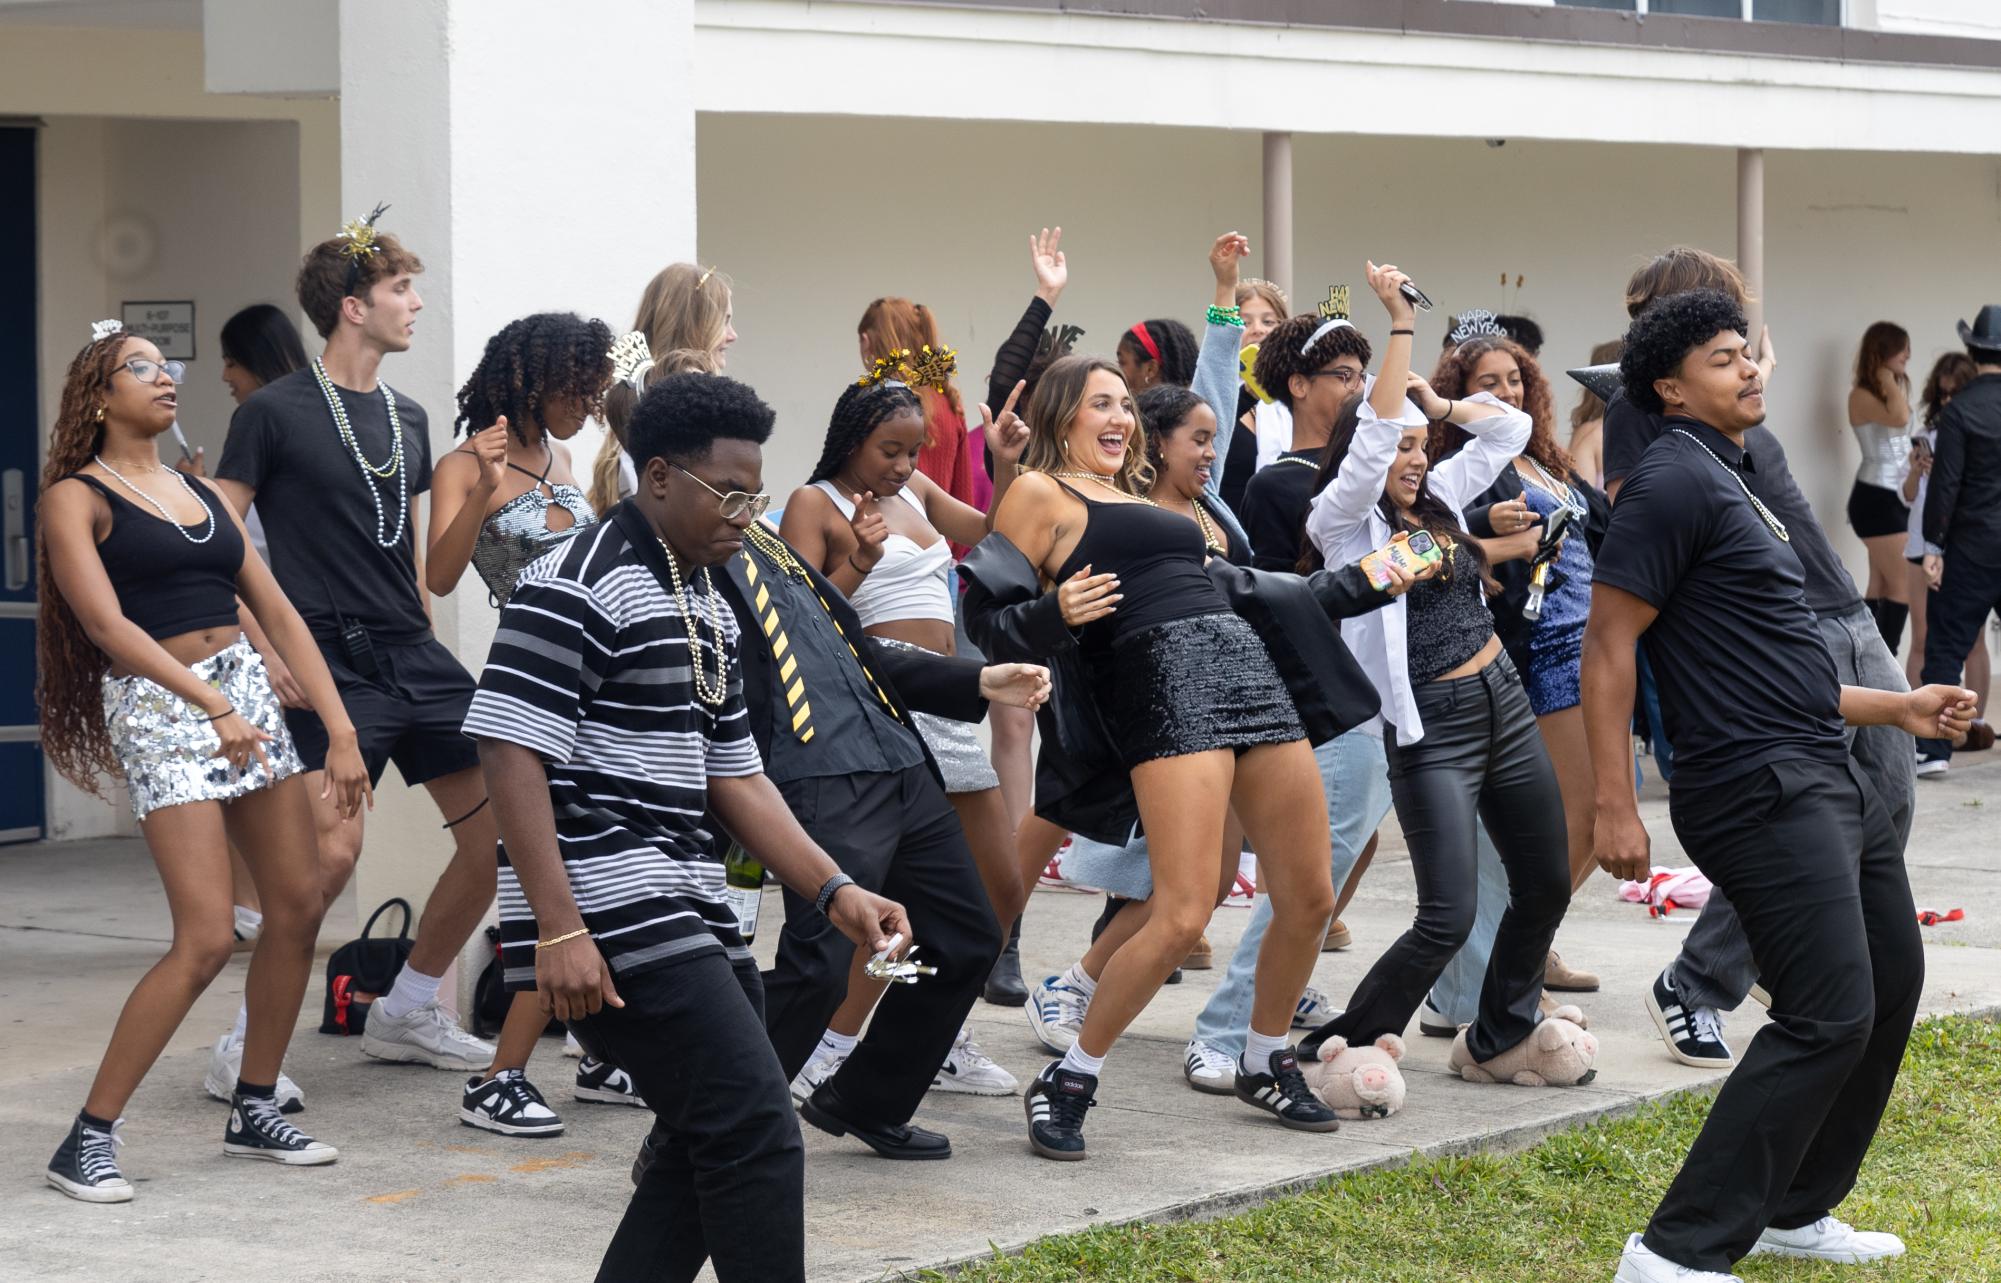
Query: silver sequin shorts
column 166, row 744
column 956, row 746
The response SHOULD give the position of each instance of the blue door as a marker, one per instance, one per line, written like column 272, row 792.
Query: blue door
column 22, row 787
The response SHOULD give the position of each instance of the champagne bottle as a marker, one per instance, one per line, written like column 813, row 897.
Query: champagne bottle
column 743, row 887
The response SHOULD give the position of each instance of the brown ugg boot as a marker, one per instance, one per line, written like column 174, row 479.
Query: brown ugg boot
column 1564, row 978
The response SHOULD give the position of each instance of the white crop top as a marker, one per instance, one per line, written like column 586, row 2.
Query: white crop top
column 911, row 581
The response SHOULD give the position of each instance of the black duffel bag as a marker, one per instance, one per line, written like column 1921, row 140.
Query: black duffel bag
column 363, row 969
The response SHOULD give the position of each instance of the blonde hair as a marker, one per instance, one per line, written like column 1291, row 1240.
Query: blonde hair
column 603, row 494
column 684, row 312
column 1256, row 287
column 1059, row 395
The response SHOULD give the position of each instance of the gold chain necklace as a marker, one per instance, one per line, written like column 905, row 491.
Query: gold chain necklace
column 710, row 692
column 1211, row 537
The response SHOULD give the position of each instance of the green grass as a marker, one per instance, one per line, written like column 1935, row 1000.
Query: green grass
column 1562, row 1210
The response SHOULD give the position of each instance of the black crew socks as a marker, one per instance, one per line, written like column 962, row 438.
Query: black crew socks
column 1890, row 617
column 254, row 1091
column 92, row 1121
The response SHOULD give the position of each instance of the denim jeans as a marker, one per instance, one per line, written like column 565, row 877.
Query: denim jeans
column 1355, row 774
column 1456, row 995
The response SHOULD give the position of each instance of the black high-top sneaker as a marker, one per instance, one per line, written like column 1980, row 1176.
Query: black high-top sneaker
column 258, row 1130
column 1282, row 1092
column 86, row 1164
column 1056, row 1103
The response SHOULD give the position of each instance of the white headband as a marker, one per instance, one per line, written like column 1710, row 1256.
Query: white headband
column 1326, row 327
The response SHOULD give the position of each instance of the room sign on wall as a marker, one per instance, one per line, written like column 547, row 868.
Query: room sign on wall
column 170, row 326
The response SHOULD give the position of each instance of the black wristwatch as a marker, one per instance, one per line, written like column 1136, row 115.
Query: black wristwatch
column 827, row 892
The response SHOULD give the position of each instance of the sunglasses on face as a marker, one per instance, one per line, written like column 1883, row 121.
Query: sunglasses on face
column 149, row 371
column 736, row 504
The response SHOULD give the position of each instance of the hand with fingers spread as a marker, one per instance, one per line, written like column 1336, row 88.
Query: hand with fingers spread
column 489, row 450
column 240, row 741
column 1084, row 597
column 1387, row 284
column 870, row 532
column 572, row 979
column 1045, row 255
column 1006, row 436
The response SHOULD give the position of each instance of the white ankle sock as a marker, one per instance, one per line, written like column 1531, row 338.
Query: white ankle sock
column 839, row 1044
column 1077, row 980
column 412, row 990
column 1079, row 1061
column 1258, row 1049
column 242, row 1019
column 248, row 920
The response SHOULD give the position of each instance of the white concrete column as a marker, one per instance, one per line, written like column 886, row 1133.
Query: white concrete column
column 1751, row 231
column 536, row 159
column 1277, row 246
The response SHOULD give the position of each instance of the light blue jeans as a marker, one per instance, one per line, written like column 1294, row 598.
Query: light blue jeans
column 1457, row 992
column 1356, row 776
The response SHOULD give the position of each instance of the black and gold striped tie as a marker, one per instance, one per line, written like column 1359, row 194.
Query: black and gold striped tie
column 782, row 653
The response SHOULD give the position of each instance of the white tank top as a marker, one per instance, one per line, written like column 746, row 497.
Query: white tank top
column 911, row 581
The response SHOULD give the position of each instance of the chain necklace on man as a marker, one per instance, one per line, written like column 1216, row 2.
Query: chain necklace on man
column 710, row 692
column 1778, row 527
column 392, row 535
column 161, row 508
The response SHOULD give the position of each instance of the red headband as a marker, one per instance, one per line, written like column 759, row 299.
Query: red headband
column 1146, row 341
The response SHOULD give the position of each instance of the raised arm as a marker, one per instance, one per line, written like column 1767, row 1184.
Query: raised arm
column 1017, row 351
column 1215, row 378
column 956, row 519
column 1498, row 432
column 461, row 486
column 1382, row 419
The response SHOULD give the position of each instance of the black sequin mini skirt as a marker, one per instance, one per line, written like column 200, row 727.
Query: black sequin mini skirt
column 1192, row 685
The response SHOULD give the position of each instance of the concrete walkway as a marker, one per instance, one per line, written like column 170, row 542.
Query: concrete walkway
column 417, row 1195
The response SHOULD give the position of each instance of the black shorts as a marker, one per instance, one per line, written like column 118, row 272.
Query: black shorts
column 1874, row 511
column 409, row 713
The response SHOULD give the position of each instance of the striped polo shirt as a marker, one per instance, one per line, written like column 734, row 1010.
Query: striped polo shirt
column 589, row 669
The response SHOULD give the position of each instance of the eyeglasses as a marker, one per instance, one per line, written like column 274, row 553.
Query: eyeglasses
column 1349, row 378
column 736, row 503
column 149, row 371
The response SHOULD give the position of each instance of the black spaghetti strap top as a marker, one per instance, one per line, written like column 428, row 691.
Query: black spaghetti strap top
column 165, row 584
column 1158, row 558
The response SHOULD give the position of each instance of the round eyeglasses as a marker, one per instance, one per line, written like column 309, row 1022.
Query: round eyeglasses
column 149, row 371
column 736, row 504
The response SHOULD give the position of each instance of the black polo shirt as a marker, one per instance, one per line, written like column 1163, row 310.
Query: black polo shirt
column 1274, row 507
column 1830, row 590
column 1744, row 677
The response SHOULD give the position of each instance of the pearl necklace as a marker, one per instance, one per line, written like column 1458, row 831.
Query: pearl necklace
column 709, row 691
column 1778, row 527
column 393, row 468
column 161, row 508
column 1211, row 538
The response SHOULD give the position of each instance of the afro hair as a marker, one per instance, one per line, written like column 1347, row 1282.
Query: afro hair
column 1279, row 357
column 1666, row 332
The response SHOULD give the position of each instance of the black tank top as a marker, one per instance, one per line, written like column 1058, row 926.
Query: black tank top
column 1156, row 555
column 165, row 584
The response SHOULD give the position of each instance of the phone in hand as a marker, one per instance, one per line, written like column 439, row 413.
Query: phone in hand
column 1418, row 298
column 1413, row 550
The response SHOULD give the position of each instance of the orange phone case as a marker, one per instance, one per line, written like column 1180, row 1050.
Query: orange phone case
column 1397, row 550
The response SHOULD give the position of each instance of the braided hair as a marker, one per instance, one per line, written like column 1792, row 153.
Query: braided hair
column 1177, row 349
column 546, row 357
column 860, row 411
column 1279, row 357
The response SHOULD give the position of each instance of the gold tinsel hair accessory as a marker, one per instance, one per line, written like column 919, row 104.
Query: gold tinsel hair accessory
column 885, row 369
column 933, row 367
column 358, row 242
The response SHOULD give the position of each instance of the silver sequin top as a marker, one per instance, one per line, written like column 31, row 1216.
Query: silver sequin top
column 517, row 532
column 1886, row 454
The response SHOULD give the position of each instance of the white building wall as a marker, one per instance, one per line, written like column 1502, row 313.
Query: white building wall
column 1979, row 18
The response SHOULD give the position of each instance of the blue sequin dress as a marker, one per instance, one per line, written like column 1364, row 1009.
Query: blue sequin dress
column 1556, row 646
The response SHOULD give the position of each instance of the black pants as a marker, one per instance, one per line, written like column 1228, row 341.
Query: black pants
column 1807, row 854
column 1481, row 759
column 728, row 1178
column 895, row 834
column 1955, row 612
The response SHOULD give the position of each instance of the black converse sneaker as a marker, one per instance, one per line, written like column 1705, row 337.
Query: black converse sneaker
column 605, row 1083
column 258, row 1130
column 1056, row 1102
column 86, row 1164
column 1283, row 1093
column 508, row 1103
column 1694, row 1035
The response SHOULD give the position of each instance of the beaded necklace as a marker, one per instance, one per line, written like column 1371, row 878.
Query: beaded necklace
column 161, row 508
column 709, row 691
column 1778, row 527
column 369, row 471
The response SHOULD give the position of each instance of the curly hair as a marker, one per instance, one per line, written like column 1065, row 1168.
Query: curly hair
column 1666, row 332
column 683, row 415
column 549, row 356
column 1163, row 408
column 860, row 411
column 1453, row 378
column 1177, row 349
column 1950, row 373
column 322, row 281
column 1059, row 395
column 69, row 668
column 1279, row 357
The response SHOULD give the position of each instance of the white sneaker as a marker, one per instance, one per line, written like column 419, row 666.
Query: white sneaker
column 1760, row 995
column 819, row 1067
column 1433, row 1023
column 571, row 1047
column 426, row 1035
column 1209, row 1068
column 968, row 1069
column 225, row 1066
column 508, row 1104
column 1314, row 1009
column 1828, row 1239
column 1056, row 1013
column 1637, row 1264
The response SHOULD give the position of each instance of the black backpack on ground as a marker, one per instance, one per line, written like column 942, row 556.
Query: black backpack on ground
column 363, row 969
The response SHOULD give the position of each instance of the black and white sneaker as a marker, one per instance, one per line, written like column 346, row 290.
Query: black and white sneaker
column 508, row 1103
column 258, row 1130
column 1283, row 1094
column 1056, row 1103
column 605, row 1083
column 1694, row 1035
column 86, row 1164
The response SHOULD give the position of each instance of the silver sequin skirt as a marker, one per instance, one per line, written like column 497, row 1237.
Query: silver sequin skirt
column 1192, row 685
column 166, row 744
column 954, row 745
